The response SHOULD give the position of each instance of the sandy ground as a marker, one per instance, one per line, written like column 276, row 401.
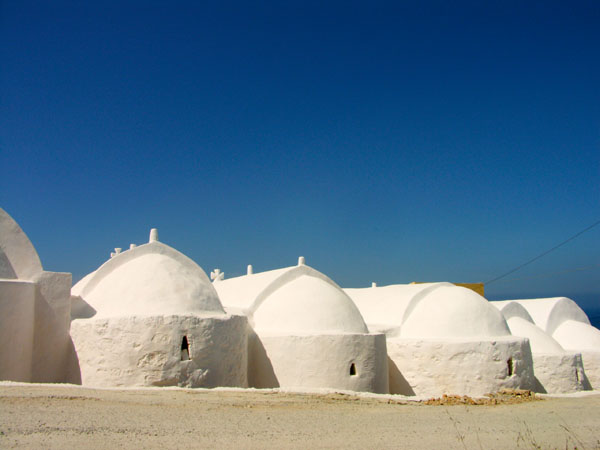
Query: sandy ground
column 37, row 416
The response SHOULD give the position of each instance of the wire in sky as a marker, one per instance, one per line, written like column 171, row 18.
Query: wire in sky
column 550, row 274
column 543, row 254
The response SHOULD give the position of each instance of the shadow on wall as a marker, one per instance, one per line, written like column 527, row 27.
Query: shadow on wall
column 538, row 386
column 54, row 356
column 260, row 370
column 587, row 385
column 398, row 384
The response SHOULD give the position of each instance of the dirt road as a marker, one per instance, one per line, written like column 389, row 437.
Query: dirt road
column 73, row 417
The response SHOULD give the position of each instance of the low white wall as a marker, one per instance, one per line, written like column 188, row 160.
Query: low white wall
column 17, row 309
column 54, row 359
column 146, row 351
column 591, row 364
column 560, row 373
column 319, row 361
column 428, row 367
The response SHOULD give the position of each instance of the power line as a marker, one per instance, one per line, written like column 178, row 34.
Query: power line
column 550, row 274
column 544, row 254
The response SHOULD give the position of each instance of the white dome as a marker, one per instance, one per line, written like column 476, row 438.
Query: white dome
column 521, row 324
column 18, row 258
column 540, row 341
column 308, row 305
column 578, row 336
column 383, row 307
column 292, row 300
column 152, row 279
column 452, row 311
column 549, row 313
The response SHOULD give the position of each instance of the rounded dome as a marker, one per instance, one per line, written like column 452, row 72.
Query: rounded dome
column 578, row 336
column 452, row 311
column 383, row 307
column 308, row 305
column 540, row 341
column 152, row 279
column 18, row 258
column 550, row 313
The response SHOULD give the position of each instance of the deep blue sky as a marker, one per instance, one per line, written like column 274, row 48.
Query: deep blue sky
column 384, row 142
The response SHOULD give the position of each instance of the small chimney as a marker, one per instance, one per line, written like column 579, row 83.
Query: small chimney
column 250, row 270
column 154, row 235
column 132, row 246
column 301, row 261
column 118, row 250
column 373, row 284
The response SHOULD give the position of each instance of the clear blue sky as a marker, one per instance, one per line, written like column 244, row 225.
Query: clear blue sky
column 385, row 142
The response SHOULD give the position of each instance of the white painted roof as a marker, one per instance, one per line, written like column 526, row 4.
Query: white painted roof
column 383, row 307
column 452, row 312
column 549, row 313
column 578, row 336
column 18, row 257
column 522, row 324
column 540, row 341
column 292, row 300
column 428, row 310
column 151, row 279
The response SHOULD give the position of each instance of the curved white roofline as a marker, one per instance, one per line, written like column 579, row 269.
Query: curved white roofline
column 549, row 313
column 510, row 309
column 258, row 286
column 385, row 307
column 18, row 257
column 287, row 277
column 149, row 279
column 247, row 294
column 154, row 247
column 420, row 296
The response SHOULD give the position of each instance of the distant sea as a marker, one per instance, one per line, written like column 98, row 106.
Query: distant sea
column 590, row 303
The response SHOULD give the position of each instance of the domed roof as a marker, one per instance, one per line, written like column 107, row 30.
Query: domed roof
column 540, row 341
column 383, row 307
column 292, row 300
column 308, row 304
column 578, row 336
column 152, row 279
column 18, row 258
column 549, row 313
column 452, row 311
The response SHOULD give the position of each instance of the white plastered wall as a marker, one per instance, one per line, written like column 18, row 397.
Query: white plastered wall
column 146, row 351
column 556, row 370
column 319, row 361
column 568, row 324
column 34, row 313
column 584, row 338
column 17, row 310
column 131, row 315
column 442, row 338
column 306, row 333
column 429, row 367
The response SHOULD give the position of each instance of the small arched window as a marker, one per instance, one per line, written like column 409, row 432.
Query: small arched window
column 509, row 363
column 352, row 369
column 185, row 349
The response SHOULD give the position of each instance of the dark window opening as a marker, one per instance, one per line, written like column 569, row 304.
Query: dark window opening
column 509, row 363
column 352, row 369
column 185, row 349
column 577, row 375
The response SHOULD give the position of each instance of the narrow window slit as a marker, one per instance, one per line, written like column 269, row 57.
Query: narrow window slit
column 352, row 369
column 185, row 349
column 509, row 363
